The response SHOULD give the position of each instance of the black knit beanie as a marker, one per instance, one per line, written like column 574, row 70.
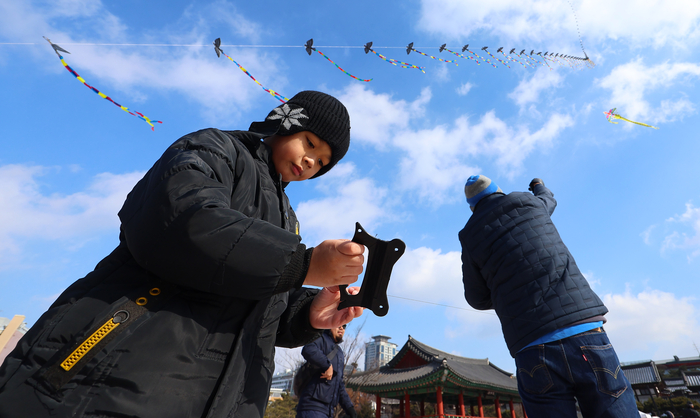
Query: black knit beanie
column 313, row 111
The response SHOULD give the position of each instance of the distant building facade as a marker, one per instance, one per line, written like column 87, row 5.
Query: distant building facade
column 11, row 330
column 379, row 352
column 282, row 382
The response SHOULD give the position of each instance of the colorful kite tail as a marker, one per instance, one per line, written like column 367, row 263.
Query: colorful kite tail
column 141, row 116
column 274, row 94
column 338, row 66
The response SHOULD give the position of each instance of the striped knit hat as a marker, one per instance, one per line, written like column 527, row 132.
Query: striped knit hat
column 478, row 187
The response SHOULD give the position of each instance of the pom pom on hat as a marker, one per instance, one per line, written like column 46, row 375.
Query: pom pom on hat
column 478, row 187
column 313, row 111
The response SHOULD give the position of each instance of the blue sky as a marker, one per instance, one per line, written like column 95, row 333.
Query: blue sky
column 629, row 198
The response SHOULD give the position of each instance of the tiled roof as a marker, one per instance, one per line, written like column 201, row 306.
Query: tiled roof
column 642, row 373
column 476, row 371
column 692, row 379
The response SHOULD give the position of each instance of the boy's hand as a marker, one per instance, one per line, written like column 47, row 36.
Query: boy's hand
column 324, row 313
column 334, row 262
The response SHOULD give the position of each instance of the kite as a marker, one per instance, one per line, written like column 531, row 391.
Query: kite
column 611, row 115
column 442, row 48
column 466, row 48
column 219, row 51
column 57, row 49
column 496, row 58
column 410, row 48
column 310, row 47
column 368, row 48
column 509, row 56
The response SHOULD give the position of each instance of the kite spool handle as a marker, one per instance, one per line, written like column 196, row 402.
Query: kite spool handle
column 382, row 257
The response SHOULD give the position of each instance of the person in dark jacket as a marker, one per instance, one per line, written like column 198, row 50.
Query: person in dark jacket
column 514, row 261
column 690, row 412
column 182, row 318
column 327, row 388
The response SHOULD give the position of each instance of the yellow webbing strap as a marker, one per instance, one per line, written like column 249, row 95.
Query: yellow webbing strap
column 85, row 347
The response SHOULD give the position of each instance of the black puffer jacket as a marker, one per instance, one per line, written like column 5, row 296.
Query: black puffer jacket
column 514, row 261
column 205, row 282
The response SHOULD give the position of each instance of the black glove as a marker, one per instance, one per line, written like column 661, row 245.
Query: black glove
column 353, row 413
column 532, row 184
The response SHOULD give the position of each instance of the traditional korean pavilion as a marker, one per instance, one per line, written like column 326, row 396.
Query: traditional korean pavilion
column 425, row 375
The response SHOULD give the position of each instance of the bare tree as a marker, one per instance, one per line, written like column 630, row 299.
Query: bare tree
column 353, row 347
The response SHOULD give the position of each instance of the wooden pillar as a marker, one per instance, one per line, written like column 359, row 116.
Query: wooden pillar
column 440, row 409
column 497, row 403
column 378, row 412
column 407, row 401
column 462, row 412
column 481, row 407
column 401, row 410
column 512, row 410
column 472, row 408
column 422, row 407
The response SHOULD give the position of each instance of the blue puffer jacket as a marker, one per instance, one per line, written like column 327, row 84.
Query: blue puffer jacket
column 514, row 261
column 320, row 394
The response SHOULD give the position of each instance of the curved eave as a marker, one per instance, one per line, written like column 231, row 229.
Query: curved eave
column 382, row 381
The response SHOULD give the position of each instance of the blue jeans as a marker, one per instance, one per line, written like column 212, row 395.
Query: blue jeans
column 583, row 367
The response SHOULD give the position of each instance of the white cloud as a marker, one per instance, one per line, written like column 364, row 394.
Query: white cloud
column 464, row 89
column 630, row 83
column 529, row 90
column 347, row 201
column 688, row 240
column 376, row 116
column 26, row 212
column 430, row 277
column 436, row 161
column 558, row 23
column 652, row 321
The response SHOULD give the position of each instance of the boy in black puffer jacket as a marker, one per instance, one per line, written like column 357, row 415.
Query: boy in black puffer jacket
column 514, row 261
column 182, row 318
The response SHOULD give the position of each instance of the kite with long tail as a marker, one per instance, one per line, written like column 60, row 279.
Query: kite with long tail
column 368, row 48
column 494, row 57
column 57, row 49
column 466, row 57
column 611, row 115
column 219, row 51
column 410, row 48
column 310, row 47
column 466, row 48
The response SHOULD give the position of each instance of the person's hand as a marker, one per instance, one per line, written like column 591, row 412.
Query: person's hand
column 328, row 374
column 324, row 313
column 353, row 413
column 534, row 182
column 334, row 262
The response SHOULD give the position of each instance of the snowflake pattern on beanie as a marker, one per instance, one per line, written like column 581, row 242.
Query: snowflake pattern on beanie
column 288, row 115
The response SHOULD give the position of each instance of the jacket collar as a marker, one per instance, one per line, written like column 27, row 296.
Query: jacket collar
column 489, row 197
column 259, row 150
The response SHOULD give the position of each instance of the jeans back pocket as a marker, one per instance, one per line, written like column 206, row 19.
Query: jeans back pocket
column 606, row 366
column 533, row 374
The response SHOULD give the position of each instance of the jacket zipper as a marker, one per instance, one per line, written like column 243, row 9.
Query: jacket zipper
column 96, row 337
